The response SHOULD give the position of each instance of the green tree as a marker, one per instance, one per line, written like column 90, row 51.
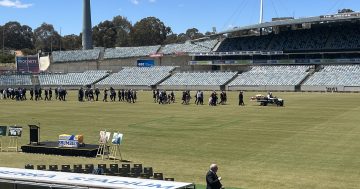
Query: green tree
column 112, row 33
column 172, row 38
column 71, row 42
column 46, row 38
column 182, row 38
column 193, row 33
column 149, row 31
column 7, row 58
column 345, row 11
column 123, row 28
column 17, row 36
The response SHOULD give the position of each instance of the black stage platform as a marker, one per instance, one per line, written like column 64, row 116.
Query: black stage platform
column 49, row 147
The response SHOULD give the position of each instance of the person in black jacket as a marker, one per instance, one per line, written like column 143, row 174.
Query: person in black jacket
column 241, row 99
column 212, row 180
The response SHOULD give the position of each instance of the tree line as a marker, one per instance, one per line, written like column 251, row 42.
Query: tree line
column 118, row 32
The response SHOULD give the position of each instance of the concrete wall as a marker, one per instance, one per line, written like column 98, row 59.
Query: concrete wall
column 134, row 87
column 261, row 88
column 115, row 65
column 180, row 61
column 69, row 67
column 332, row 88
column 189, row 87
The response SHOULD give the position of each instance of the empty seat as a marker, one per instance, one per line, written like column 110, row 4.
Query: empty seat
column 136, row 165
column 89, row 168
column 136, row 171
column 41, row 167
column 75, row 55
column 158, row 176
column 149, row 171
column 65, row 168
column 29, row 166
column 199, row 79
column 126, row 167
column 125, row 52
column 138, row 76
column 272, row 76
column 103, row 168
column 78, row 168
column 114, row 168
column 53, row 168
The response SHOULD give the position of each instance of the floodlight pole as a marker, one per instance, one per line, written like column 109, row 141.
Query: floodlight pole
column 261, row 11
column 87, row 28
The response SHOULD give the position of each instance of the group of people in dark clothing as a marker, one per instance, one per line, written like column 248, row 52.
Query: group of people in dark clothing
column 130, row 96
column 162, row 97
column 18, row 94
column 36, row 94
column 89, row 94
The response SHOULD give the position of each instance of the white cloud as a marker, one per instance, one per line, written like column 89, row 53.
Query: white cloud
column 135, row 2
column 14, row 4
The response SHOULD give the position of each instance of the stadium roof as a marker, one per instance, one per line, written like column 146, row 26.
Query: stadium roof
column 317, row 19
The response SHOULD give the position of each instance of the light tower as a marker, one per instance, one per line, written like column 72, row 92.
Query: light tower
column 261, row 11
column 87, row 28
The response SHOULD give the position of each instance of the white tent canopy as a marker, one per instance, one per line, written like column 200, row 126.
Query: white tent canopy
column 73, row 180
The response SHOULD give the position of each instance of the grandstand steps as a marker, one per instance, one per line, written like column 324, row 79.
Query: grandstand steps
column 157, row 84
column 310, row 73
column 217, row 45
column 223, row 87
column 97, row 81
column 35, row 80
column 102, row 54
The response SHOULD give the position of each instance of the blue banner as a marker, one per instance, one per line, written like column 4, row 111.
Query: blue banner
column 145, row 63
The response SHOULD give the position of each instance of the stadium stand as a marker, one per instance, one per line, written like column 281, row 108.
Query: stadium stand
column 318, row 38
column 197, row 81
column 76, row 55
column 345, row 37
column 270, row 78
column 15, row 80
column 126, row 52
column 138, row 77
column 189, row 47
column 342, row 77
column 253, row 43
column 72, row 79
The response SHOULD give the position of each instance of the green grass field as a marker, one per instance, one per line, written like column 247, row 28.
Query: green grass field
column 312, row 142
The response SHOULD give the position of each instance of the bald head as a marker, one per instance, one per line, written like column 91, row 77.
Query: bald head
column 213, row 167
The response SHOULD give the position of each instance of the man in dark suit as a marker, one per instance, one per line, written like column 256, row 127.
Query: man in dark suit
column 212, row 180
column 241, row 99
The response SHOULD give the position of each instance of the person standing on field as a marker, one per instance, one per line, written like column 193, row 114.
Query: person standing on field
column 212, row 180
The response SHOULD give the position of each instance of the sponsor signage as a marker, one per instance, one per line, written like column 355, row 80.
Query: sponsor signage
column 27, row 64
column 145, row 63
column 70, row 141
column 38, row 177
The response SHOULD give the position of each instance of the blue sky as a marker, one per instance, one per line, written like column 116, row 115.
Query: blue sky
column 180, row 15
